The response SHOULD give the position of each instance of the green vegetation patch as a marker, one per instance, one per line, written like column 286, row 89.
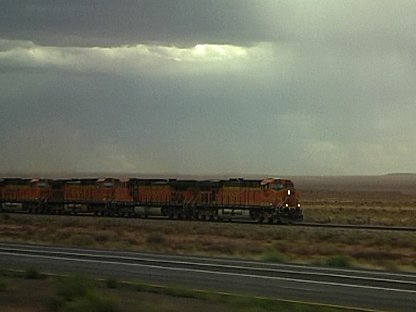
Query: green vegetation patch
column 339, row 261
column 79, row 293
column 235, row 302
column 111, row 282
column 273, row 256
column 32, row 273
column 3, row 283
column 76, row 293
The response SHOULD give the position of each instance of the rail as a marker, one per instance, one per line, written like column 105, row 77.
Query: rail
column 239, row 221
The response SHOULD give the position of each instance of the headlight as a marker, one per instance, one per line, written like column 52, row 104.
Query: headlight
column 298, row 205
column 288, row 192
column 287, row 205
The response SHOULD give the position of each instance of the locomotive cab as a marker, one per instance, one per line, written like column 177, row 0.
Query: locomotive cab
column 284, row 198
column 41, row 189
column 278, row 185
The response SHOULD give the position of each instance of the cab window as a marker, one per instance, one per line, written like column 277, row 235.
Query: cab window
column 278, row 186
column 108, row 184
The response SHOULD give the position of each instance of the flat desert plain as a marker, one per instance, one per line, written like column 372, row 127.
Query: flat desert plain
column 383, row 200
column 375, row 200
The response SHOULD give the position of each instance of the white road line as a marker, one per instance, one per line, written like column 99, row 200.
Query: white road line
column 100, row 253
column 376, row 279
column 219, row 273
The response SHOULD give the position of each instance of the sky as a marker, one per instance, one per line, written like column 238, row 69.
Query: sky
column 208, row 87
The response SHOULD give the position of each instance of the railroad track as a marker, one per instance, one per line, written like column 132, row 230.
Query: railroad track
column 237, row 221
column 358, row 227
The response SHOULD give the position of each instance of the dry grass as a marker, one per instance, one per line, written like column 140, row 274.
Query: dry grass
column 365, row 200
column 341, row 214
column 381, row 249
column 377, row 200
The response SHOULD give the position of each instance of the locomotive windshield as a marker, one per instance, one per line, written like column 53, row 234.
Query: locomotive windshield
column 108, row 184
column 280, row 185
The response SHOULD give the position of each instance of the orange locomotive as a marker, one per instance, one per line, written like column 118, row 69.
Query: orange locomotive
column 26, row 194
column 271, row 200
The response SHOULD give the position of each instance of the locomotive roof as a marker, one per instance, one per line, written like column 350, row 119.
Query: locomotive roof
column 236, row 182
column 16, row 181
column 271, row 180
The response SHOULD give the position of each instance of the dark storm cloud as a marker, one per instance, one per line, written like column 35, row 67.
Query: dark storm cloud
column 298, row 87
column 109, row 23
column 349, row 25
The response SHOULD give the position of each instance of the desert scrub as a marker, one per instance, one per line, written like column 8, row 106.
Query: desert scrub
column 5, row 216
column 249, row 304
column 273, row 255
column 91, row 302
column 390, row 215
column 111, row 282
column 78, row 293
column 102, row 236
column 3, row 283
column 74, row 286
column 32, row 273
column 156, row 239
column 81, row 240
column 338, row 261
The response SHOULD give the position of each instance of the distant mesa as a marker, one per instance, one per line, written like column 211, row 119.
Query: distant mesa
column 400, row 174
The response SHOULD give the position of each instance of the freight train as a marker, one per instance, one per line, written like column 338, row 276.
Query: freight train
column 271, row 200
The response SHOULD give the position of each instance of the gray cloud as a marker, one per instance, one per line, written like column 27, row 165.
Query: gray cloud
column 285, row 87
column 108, row 23
column 350, row 24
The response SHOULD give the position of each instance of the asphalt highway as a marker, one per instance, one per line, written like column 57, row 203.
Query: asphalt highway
column 385, row 291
